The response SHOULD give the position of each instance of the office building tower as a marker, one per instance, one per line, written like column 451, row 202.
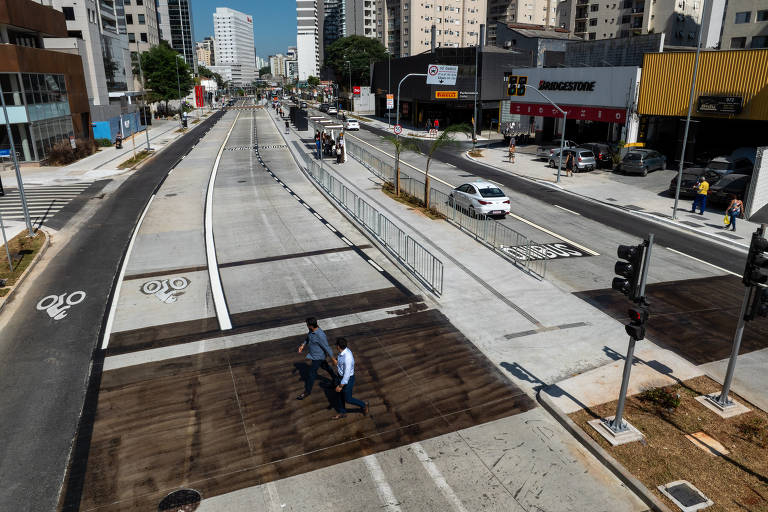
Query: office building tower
column 309, row 34
column 233, row 42
column 174, row 18
column 206, row 53
column 531, row 12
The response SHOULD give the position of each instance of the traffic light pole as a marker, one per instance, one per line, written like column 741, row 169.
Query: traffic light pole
column 722, row 401
column 618, row 424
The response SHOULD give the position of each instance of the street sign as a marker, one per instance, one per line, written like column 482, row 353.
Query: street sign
column 390, row 101
column 5, row 152
column 356, row 90
column 398, row 129
column 438, row 74
column 72, row 142
column 446, row 95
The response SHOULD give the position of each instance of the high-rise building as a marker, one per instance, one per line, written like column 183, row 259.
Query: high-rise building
column 174, row 18
column 140, row 27
column 277, row 65
column 344, row 18
column 406, row 25
column 309, row 35
column 745, row 24
column 233, row 36
column 532, row 12
column 206, row 54
column 679, row 20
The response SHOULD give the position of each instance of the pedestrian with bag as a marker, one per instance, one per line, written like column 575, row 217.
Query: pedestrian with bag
column 702, row 188
column 569, row 164
column 340, row 150
column 317, row 350
column 734, row 210
column 345, row 366
column 512, row 150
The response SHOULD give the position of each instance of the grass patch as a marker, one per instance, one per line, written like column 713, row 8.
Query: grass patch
column 410, row 200
column 476, row 153
column 735, row 481
column 361, row 119
column 181, row 130
column 195, row 121
column 141, row 155
column 23, row 250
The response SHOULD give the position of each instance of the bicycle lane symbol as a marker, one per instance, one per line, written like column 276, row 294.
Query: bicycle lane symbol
column 57, row 306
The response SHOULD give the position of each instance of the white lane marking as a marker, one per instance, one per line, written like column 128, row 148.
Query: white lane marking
column 331, row 227
column 118, row 286
column 374, row 265
column 273, row 499
column 552, row 233
column 566, row 209
column 383, row 489
column 704, row 262
column 347, row 241
column 317, row 215
column 217, row 289
column 57, row 306
column 438, row 478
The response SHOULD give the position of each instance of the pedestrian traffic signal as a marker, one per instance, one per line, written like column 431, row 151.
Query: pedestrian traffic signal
column 629, row 270
column 756, row 271
column 759, row 306
column 638, row 316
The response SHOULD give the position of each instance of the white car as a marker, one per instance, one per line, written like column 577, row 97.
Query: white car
column 480, row 197
column 333, row 111
column 352, row 124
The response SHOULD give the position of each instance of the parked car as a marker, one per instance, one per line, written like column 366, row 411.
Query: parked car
column 583, row 159
column 480, row 197
column 332, row 111
column 690, row 177
column 736, row 184
column 324, row 107
column 724, row 165
column 545, row 150
column 642, row 161
column 603, row 154
column 352, row 124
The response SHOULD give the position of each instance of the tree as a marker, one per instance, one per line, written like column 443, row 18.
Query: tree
column 159, row 66
column 401, row 144
column 266, row 70
column 445, row 138
column 360, row 52
column 313, row 81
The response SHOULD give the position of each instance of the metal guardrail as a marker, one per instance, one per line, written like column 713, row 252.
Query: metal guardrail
column 422, row 263
column 506, row 241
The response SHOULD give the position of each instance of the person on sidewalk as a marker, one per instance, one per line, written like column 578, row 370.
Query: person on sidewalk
column 317, row 350
column 569, row 164
column 346, row 370
column 734, row 210
column 340, row 150
column 318, row 146
column 702, row 189
column 512, row 150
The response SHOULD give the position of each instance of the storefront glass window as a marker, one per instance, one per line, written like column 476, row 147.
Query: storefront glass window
column 46, row 96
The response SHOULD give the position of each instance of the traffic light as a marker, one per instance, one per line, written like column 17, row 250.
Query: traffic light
column 756, row 270
column 629, row 270
column 638, row 316
column 759, row 306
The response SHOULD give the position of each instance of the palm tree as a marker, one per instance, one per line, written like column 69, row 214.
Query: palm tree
column 401, row 144
column 444, row 139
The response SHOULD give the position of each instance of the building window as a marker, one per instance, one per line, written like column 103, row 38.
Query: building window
column 738, row 42
column 594, row 7
column 139, row 2
column 759, row 42
column 742, row 17
column 143, row 37
column 131, row 37
column 762, row 15
column 592, row 36
column 141, row 19
column 593, row 22
column 69, row 13
column 625, row 19
column 129, row 19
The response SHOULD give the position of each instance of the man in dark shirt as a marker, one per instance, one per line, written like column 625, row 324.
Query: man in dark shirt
column 317, row 349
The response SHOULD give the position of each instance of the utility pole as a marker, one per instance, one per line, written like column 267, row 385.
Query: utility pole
column 143, row 95
column 20, row 183
column 178, row 84
column 562, row 132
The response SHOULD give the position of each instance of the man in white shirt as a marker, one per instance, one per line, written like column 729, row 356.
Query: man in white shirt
column 346, row 369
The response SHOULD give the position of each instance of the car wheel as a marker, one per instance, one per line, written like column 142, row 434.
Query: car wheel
column 645, row 171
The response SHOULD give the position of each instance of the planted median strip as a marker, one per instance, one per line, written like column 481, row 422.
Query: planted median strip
column 23, row 250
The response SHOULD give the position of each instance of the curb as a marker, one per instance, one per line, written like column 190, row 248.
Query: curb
column 653, row 218
column 603, row 456
column 5, row 300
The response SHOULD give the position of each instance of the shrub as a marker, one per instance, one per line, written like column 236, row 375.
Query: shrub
column 62, row 153
column 104, row 143
column 664, row 397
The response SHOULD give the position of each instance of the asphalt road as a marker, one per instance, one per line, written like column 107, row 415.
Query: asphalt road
column 634, row 225
column 50, row 366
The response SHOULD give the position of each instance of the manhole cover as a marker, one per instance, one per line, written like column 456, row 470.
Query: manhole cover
column 184, row 500
column 685, row 495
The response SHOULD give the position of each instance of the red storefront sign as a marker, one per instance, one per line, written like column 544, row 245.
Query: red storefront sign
column 199, row 96
column 356, row 90
column 605, row 114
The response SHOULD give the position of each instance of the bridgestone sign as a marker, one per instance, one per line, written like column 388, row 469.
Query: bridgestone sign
column 566, row 86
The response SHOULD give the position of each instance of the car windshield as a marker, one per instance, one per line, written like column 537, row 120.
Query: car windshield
column 720, row 166
column 491, row 192
column 633, row 156
column 587, row 154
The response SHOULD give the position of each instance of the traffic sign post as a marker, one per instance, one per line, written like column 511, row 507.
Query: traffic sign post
column 398, row 94
column 398, row 129
column 439, row 74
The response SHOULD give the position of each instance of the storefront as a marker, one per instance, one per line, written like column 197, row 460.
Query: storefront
column 599, row 102
column 730, row 102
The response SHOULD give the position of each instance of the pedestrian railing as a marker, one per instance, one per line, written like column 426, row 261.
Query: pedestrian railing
column 506, row 241
column 418, row 260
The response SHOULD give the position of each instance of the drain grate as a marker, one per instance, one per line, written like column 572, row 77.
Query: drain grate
column 685, row 495
column 183, row 500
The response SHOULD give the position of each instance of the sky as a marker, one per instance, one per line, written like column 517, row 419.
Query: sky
column 274, row 22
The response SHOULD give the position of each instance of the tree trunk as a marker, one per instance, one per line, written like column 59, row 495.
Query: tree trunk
column 426, row 185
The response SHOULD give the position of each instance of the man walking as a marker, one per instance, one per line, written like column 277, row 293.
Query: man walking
column 702, row 188
column 346, row 369
column 317, row 349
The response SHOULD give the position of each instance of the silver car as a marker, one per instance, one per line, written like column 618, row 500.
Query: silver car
column 583, row 159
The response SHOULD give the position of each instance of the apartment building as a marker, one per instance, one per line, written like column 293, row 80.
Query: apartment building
column 174, row 18
column 233, row 42
column 531, row 12
column 745, row 25
column 679, row 20
column 404, row 27
column 206, row 52
column 309, row 37
column 141, row 24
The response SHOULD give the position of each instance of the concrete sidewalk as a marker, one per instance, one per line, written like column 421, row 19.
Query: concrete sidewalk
column 409, row 130
column 643, row 195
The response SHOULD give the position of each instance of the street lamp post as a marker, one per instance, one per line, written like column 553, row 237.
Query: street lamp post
column 397, row 114
column 143, row 93
column 474, row 118
column 349, row 66
column 178, row 84
column 20, row 183
column 562, row 132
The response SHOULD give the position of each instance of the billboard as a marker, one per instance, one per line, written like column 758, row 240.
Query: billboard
column 756, row 204
column 199, row 96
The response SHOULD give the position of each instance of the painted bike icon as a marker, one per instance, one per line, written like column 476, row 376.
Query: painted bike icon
column 57, row 306
column 165, row 289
